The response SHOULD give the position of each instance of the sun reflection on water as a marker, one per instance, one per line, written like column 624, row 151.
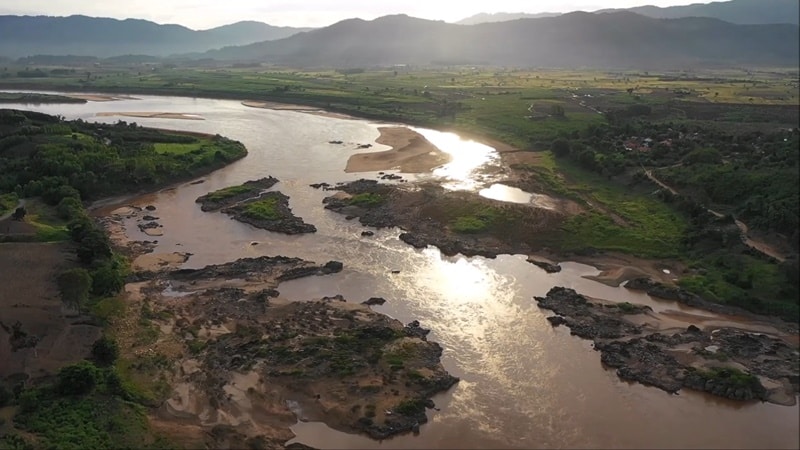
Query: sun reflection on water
column 467, row 156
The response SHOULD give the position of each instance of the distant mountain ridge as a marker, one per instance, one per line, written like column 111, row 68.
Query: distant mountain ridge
column 742, row 12
column 610, row 40
column 502, row 17
column 103, row 37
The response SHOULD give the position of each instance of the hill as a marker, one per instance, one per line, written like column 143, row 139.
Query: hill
column 502, row 17
column 612, row 40
column 744, row 12
column 102, row 37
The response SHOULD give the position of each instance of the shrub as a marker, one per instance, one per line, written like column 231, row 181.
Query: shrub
column 77, row 379
column 105, row 351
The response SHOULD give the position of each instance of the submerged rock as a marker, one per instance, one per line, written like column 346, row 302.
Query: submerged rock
column 374, row 301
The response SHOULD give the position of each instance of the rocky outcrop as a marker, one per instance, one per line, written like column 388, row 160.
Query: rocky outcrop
column 270, row 211
column 230, row 196
column 544, row 265
column 589, row 320
column 726, row 362
column 374, row 301
column 660, row 290
column 281, row 268
column 424, row 214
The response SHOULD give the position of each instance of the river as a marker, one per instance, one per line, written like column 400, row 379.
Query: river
column 523, row 383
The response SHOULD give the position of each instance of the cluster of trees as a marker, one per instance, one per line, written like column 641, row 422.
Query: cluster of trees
column 752, row 175
column 67, row 162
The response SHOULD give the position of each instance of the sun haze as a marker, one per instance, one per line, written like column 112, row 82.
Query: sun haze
column 201, row 14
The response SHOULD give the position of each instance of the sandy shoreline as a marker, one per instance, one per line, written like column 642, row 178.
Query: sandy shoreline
column 152, row 115
column 410, row 153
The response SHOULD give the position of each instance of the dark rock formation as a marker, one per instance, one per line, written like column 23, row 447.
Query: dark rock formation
column 579, row 315
column 648, row 359
column 546, row 266
column 284, row 222
column 374, row 301
column 219, row 199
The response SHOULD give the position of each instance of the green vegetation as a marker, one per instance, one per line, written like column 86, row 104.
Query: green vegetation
column 477, row 218
column 173, row 148
column 25, row 97
column 410, row 407
column 8, row 202
column 55, row 165
column 367, row 199
column 230, row 192
column 87, row 407
column 74, row 286
column 731, row 378
column 264, row 209
column 55, row 159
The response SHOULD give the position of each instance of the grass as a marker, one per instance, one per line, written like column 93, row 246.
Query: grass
column 229, row 192
column 178, row 149
column 646, row 226
column 102, row 418
column 8, row 202
column 731, row 377
column 367, row 199
column 264, row 209
column 44, row 218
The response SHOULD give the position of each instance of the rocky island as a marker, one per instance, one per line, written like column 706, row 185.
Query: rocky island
column 722, row 361
column 454, row 221
column 249, row 203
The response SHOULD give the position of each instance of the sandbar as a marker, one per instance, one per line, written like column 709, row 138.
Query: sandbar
column 153, row 115
column 410, row 153
column 100, row 97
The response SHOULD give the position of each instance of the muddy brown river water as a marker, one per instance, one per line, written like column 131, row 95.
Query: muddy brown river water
column 523, row 383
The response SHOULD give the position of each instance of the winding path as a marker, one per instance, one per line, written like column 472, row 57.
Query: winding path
column 755, row 244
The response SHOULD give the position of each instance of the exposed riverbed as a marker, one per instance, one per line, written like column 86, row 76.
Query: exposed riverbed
column 523, row 383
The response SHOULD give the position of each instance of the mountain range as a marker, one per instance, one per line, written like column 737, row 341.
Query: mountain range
column 743, row 12
column 612, row 39
column 502, row 17
column 618, row 39
column 102, row 37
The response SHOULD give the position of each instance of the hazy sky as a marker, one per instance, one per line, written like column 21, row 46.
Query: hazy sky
column 200, row 14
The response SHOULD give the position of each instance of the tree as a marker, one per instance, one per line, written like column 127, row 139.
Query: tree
column 74, row 285
column 77, row 379
column 105, row 351
column 107, row 279
column 560, row 147
column 19, row 213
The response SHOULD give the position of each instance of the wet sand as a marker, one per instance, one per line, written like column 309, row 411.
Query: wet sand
column 152, row 115
column 278, row 106
column 410, row 153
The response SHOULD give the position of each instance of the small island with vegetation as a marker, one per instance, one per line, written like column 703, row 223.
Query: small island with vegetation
column 248, row 203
